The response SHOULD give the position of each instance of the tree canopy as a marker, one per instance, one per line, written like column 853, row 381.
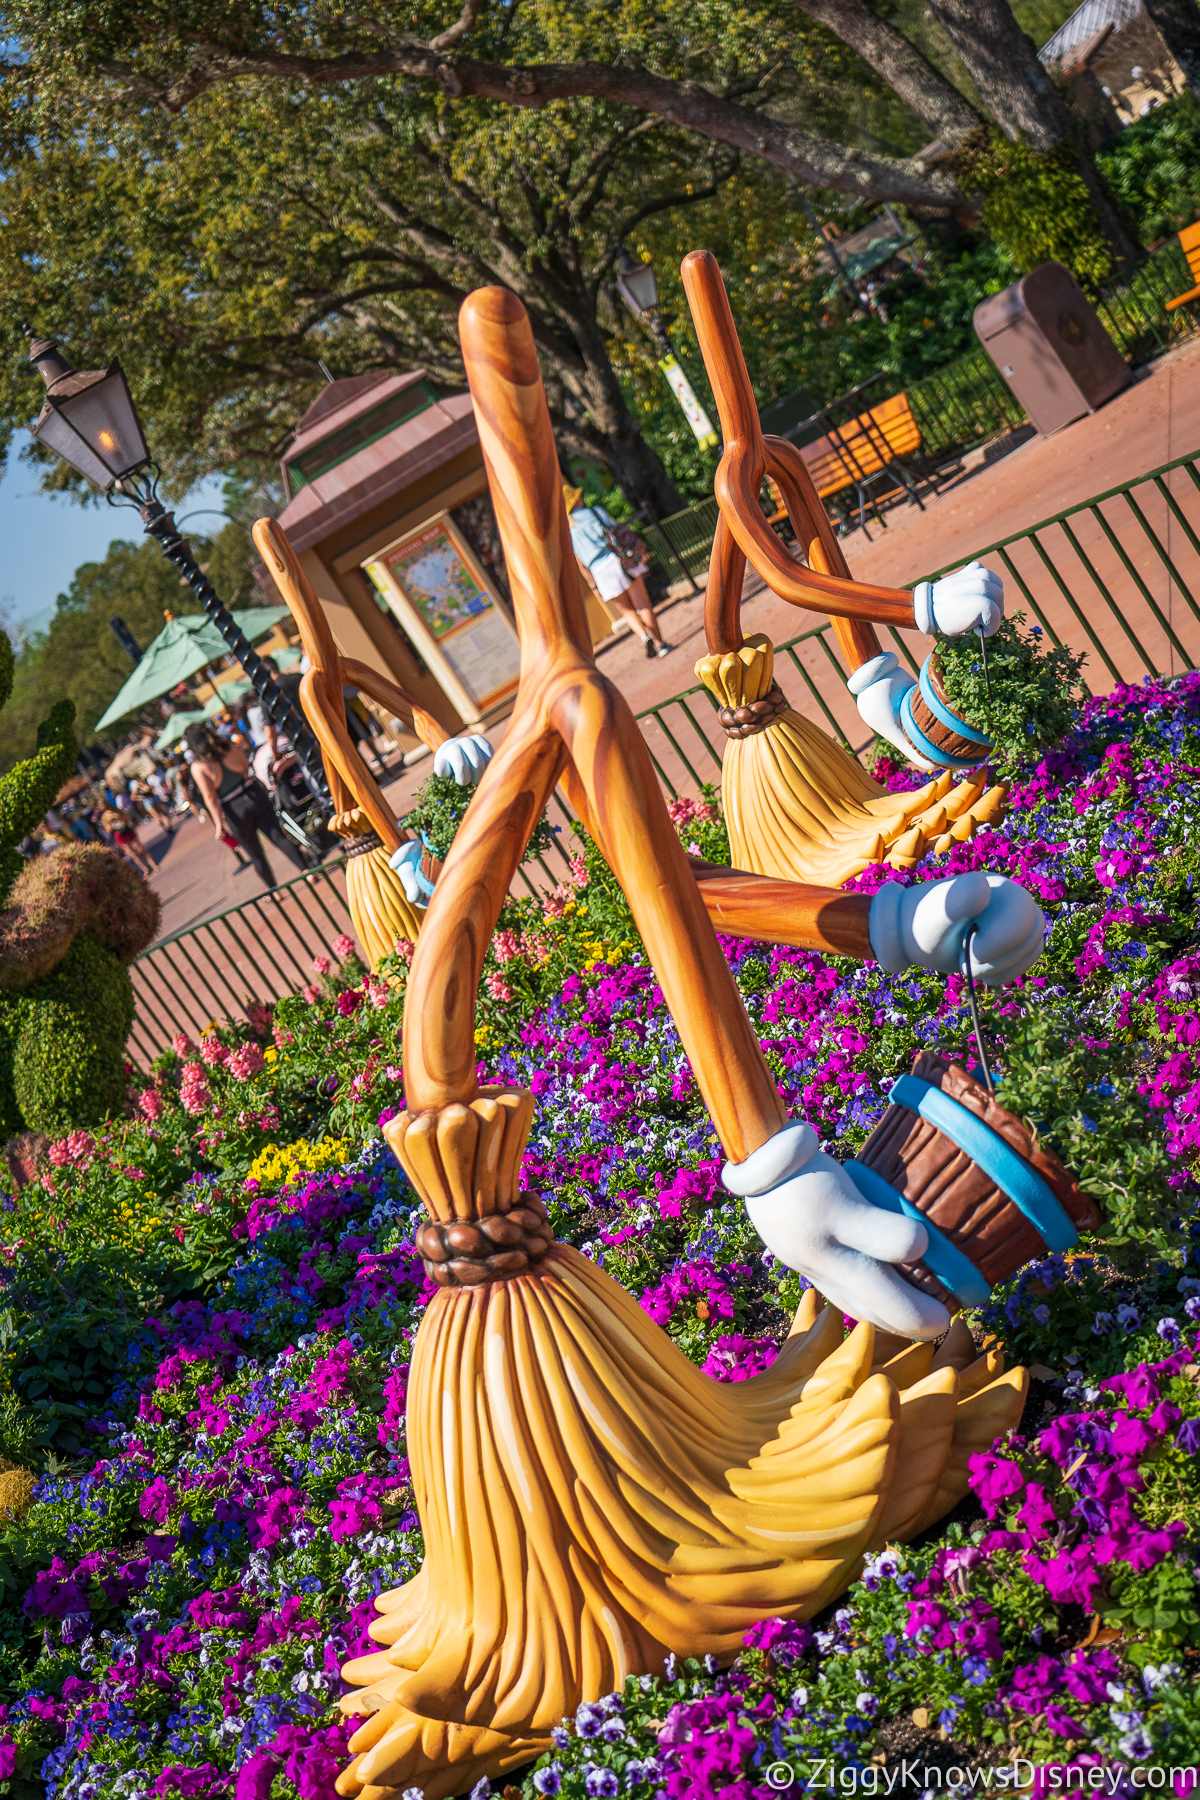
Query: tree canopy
column 77, row 656
column 234, row 194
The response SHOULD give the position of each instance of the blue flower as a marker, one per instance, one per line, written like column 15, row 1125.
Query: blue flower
column 548, row 1780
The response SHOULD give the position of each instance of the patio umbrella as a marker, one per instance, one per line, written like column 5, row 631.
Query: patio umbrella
column 175, row 727
column 182, row 647
column 233, row 691
column 286, row 658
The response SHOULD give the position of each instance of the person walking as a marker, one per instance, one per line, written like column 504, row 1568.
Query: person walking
column 236, row 803
column 122, row 830
column 619, row 580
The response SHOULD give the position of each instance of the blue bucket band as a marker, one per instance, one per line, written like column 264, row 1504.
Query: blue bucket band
column 954, row 1270
column 998, row 1160
column 941, row 711
column 932, row 752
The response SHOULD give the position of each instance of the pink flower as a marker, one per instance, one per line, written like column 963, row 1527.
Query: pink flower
column 312, row 993
column 182, row 1044
column 378, row 993
column 321, row 965
column 404, row 949
column 214, row 1052
column 194, row 1094
column 247, row 1060
column 498, row 988
column 343, row 947
column 150, row 1104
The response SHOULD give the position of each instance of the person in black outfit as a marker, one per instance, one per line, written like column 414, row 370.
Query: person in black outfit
column 234, row 801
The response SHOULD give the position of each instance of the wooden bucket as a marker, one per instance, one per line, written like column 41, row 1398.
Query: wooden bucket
column 990, row 1196
column 935, row 729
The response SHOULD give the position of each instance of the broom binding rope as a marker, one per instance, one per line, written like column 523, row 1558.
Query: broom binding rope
column 797, row 804
column 590, row 1500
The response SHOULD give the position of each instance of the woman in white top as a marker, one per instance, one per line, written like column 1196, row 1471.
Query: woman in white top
column 604, row 571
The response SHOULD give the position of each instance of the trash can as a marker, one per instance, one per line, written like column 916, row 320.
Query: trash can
column 1045, row 338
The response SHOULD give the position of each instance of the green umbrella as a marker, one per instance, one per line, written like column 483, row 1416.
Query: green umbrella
column 182, row 647
column 233, row 691
column 175, row 727
column 286, row 659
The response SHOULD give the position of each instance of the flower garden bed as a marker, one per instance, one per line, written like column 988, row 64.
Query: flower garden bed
column 207, row 1315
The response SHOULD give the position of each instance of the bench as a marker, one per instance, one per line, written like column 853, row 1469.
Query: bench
column 1189, row 243
column 861, row 452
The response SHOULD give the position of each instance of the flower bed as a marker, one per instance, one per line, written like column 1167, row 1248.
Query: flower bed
column 208, row 1313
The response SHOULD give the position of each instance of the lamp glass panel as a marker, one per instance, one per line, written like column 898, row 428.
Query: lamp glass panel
column 54, row 432
column 103, row 415
column 642, row 287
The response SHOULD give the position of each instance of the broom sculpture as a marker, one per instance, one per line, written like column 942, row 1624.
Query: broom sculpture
column 590, row 1500
column 797, row 804
column 388, row 877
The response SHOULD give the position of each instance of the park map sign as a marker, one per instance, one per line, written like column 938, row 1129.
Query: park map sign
column 430, row 578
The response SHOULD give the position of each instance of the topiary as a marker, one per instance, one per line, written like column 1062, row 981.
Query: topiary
column 70, row 924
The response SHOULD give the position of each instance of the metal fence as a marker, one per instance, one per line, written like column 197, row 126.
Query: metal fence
column 1117, row 576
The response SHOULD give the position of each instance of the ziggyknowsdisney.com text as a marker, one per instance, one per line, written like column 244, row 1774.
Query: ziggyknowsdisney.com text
column 911, row 1776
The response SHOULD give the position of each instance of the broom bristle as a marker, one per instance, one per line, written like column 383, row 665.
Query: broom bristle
column 799, row 806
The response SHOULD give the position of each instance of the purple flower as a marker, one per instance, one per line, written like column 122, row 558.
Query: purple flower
column 255, row 1777
column 547, row 1780
column 8, row 1758
column 599, row 1783
column 1188, row 1437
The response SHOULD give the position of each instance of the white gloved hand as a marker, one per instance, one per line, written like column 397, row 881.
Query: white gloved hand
column 407, row 863
column 463, row 757
column 924, row 925
column 972, row 599
column 878, row 688
column 811, row 1216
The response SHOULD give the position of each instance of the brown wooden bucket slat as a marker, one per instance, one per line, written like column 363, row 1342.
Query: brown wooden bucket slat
column 954, row 1193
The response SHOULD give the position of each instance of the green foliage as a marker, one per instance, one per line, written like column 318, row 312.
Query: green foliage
column 27, row 790
column 1026, row 699
column 1153, row 167
column 78, row 655
column 439, row 808
column 1036, row 204
column 68, row 1033
column 1161, row 1606
column 1083, row 1101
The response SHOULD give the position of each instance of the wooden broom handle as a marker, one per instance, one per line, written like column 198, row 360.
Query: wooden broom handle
column 740, row 475
column 564, row 707
column 321, row 688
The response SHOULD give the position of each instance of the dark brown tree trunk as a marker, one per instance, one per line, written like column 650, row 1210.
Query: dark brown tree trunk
column 1020, row 95
column 1178, row 23
column 635, row 466
column 923, row 90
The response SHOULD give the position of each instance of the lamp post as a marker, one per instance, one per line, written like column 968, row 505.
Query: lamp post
column 639, row 290
column 89, row 419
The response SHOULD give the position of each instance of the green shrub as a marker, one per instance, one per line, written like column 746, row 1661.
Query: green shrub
column 67, row 1042
column 1153, row 168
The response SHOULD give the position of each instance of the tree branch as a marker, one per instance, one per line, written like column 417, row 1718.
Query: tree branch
column 815, row 161
column 900, row 63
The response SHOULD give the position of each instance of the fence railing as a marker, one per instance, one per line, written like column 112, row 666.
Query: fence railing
column 1117, row 576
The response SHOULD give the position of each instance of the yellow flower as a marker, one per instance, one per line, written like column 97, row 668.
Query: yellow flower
column 271, row 1055
column 481, row 1035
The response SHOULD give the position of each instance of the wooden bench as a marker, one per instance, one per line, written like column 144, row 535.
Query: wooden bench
column 1189, row 243
column 861, row 452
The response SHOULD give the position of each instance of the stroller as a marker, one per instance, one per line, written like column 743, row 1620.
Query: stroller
column 299, row 813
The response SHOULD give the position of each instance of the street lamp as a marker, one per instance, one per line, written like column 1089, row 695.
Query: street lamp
column 639, row 290
column 89, row 419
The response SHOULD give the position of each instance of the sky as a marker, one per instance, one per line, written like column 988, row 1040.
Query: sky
column 45, row 537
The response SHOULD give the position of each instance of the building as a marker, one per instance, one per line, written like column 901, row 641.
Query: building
column 389, row 512
column 1114, row 63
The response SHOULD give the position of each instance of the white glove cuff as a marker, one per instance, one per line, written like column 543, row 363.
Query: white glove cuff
column 923, row 608
column 781, row 1157
column 870, row 672
column 883, row 928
